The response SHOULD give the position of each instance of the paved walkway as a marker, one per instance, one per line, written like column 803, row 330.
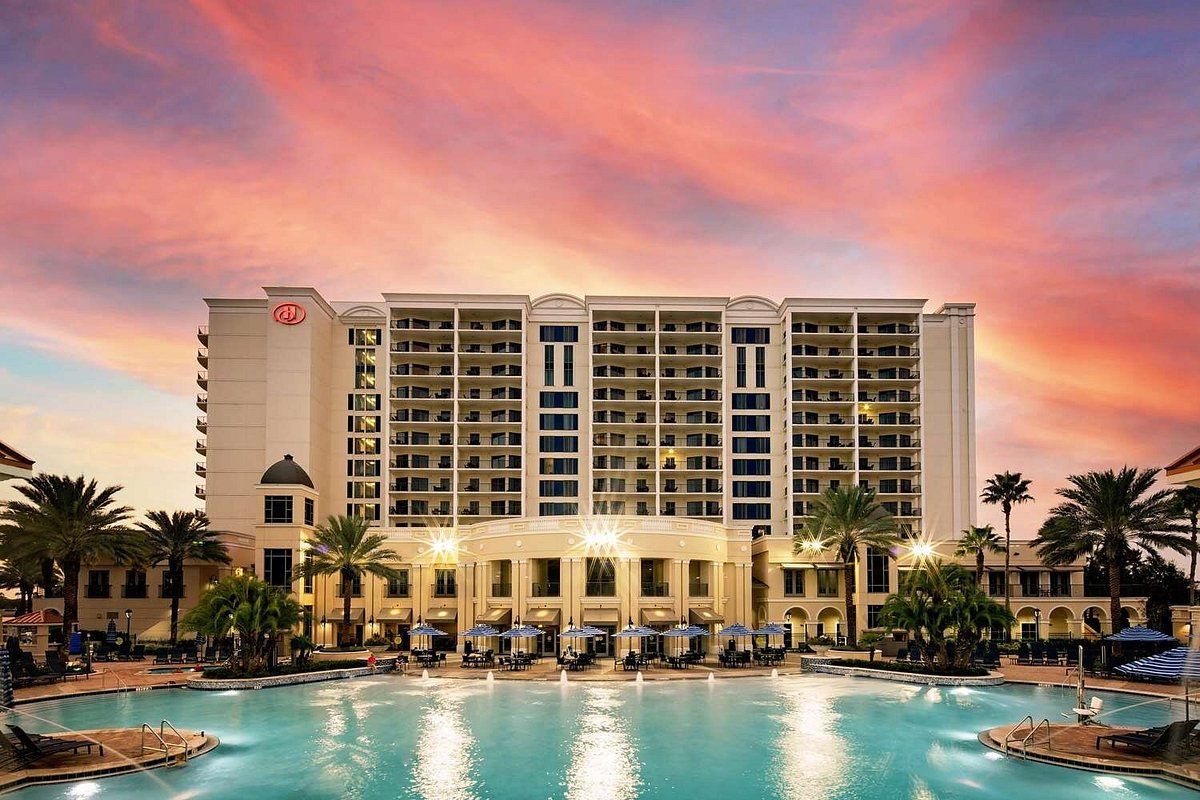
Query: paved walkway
column 108, row 677
column 605, row 670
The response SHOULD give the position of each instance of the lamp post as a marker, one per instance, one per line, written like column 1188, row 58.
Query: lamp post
column 128, row 624
column 1037, row 624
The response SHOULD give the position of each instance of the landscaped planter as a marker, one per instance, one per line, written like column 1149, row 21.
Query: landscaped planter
column 357, row 654
column 862, row 655
column 991, row 679
column 214, row 684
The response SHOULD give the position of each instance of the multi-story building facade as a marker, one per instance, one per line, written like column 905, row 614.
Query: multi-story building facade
column 597, row 461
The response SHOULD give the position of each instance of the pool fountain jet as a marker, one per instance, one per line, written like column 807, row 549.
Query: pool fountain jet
column 562, row 676
column 640, row 678
column 490, row 677
column 424, row 674
column 774, row 673
column 712, row 676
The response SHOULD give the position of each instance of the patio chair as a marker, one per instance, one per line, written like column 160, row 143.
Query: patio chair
column 1153, row 740
column 1023, row 654
column 1051, row 654
column 56, row 666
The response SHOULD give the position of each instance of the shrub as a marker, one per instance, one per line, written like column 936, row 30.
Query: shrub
column 282, row 669
column 915, row 669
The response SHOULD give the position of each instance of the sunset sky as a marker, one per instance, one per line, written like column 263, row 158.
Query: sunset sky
column 1039, row 159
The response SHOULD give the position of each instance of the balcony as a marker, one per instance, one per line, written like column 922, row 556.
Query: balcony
column 502, row 590
column 447, row 590
column 202, row 334
column 202, row 379
column 355, row 591
column 200, row 493
column 97, row 591
column 202, row 357
column 399, row 590
column 202, row 402
column 546, row 589
column 201, row 469
column 202, row 446
column 165, row 591
column 137, row 591
column 600, row 588
column 656, row 590
column 202, row 424
column 698, row 590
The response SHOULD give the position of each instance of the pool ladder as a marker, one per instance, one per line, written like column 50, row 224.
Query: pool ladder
column 122, row 684
column 1033, row 729
column 163, row 746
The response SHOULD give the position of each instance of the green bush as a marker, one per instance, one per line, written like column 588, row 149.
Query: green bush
column 915, row 669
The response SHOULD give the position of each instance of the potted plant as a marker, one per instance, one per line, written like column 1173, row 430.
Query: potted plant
column 377, row 644
column 820, row 644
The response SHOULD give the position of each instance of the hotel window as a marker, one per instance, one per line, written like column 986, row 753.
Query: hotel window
column 559, row 466
column 559, row 444
column 760, row 367
column 751, row 510
column 559, row 422
column 741, row 367
column 996, row 584
column 877, row 570
column 362, row 490
column 827, row 582
column 277, row 566
column 751, row 335
column 444, row 583
column 168, row 589
column 398, row 586
column 793, row 582
column 549, row 379
column 368, row 511
column 355, row 587
column 559, row 399
column 755, row 444
column 751, row 488
column 751, row 466
column 751, row 401
column 308, row 577
column 1029, row 630
column 558, row 509
column 97, row 583
column 873, row 613
column 362, row 469
column 1030, row 584
column 309, row 511
column 364, row 369
column 751, row 422
column 559, row 333
column 277, row 509
column 362, row 402
column 365, row 424
column 568, row 365
column 1060, row 584
column 601, row 577
column 365, row 337
column 135, row 583
column 362, row 446
column 558, row 488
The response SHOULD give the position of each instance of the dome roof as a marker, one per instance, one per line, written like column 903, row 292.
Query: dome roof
column 287, row 472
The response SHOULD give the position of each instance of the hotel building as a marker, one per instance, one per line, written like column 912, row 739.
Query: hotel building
column 598, row 460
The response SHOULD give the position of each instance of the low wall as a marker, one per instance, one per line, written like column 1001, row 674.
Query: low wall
column 991, row 679
column 223, row 684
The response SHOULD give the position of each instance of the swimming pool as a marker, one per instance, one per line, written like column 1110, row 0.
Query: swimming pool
column 801, row 737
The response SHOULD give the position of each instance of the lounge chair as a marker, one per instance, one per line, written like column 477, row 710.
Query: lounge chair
column 1153, row 740
column 56, row 666
column 33, row 747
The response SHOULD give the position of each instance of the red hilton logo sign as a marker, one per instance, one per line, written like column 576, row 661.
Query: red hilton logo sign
column 288, row 314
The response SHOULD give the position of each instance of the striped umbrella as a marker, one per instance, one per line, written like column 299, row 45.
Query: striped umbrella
column 479, row 631
column 1139, row 633
column 1179, row 663
column 737, row 629
column 425, row 630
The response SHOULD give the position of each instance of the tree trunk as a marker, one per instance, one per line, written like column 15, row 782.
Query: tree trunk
column 47, row 565
column 70, row 570
column 1007, row 554
column 1192, row 571
column 1114, row 594
column 176, row 572
column 979, row 567
column 851, row 611
column 344, row 639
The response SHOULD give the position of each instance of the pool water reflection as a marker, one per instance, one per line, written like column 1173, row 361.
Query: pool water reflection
column 798, row 737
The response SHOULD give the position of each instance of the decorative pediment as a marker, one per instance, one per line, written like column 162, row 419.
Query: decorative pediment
column 558, row 301
column 362, row 311
column 751, row 303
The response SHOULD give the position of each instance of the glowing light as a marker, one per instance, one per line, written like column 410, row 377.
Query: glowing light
column 83, row 790
column 600, row 535
column 812, row 545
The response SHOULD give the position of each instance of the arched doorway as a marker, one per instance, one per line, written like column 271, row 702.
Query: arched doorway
column 829, row 623
column 796, row 623
column 1095, row 623
column 1027, row 623
column 1061, row 624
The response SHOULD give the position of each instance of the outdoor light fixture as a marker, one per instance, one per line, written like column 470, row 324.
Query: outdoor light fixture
column 812, row 545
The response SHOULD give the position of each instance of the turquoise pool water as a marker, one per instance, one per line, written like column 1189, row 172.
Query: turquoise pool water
column 812, row 736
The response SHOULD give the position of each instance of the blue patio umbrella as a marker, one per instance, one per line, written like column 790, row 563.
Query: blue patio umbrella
column 425, row 630
column 1178, row 663
column 110, row 634
column 75, row 644
column 521, row 632
column 1139, row 633
column 736, row 631
column 771, row 629
column 638, row 632
column 479, row 631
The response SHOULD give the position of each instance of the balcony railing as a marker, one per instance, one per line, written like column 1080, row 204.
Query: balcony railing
column 134, row 591
column 546, row 589
column 96, row 592
column 502, row 590
column 698, row 590
column 445, row 591
column 399, row 590
column 656, row 590
column 600, row 588
column 166, row 591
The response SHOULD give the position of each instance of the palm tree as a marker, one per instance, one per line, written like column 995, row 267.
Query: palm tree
column 846, row 519
column 73, row 521
column 1006, row 489
column 1189, row 509
column 249, row 607
column 1105, row 517
column 976, row 541
column 21, row 574
column 343, row 547
column 171, row 539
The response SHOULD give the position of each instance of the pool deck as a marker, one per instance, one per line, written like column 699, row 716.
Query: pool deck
column 122, row 753
column 1072, row 745
column 135, row 676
